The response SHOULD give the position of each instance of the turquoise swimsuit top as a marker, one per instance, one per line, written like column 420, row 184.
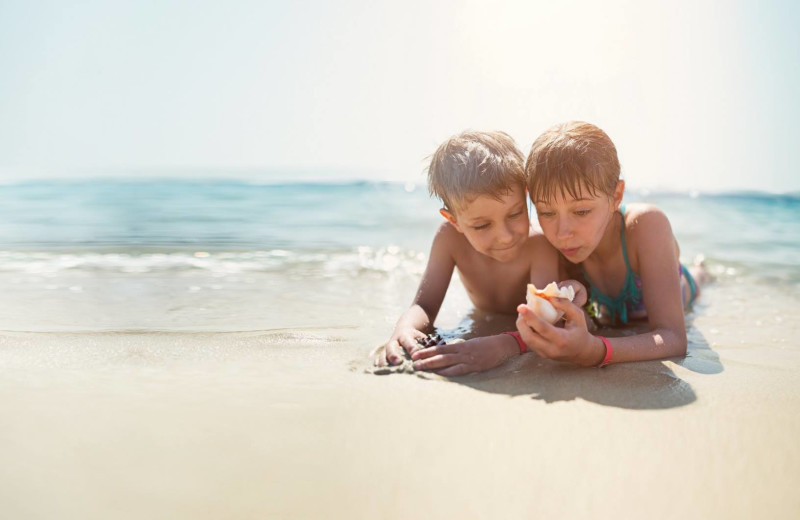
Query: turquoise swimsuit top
column 629, row 299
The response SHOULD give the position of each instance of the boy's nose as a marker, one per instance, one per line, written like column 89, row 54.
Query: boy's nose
column 505, row 234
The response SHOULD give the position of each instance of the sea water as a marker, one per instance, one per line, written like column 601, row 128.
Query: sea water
column 182, row 255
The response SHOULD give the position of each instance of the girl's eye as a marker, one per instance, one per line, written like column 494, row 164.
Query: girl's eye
column 583, row 212
column 545, row 213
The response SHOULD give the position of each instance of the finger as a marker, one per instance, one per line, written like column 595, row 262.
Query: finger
column 434, row 351
column 394, row 353
column 412, row 342
column 580, row 291
column 535, row 342
column 572, row 312
column 437, row 362
column 378, row 356
column 535, row 322
column 581, row 297
column 460, row 369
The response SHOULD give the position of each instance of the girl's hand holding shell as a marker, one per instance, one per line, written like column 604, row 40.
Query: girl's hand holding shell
column 538, row 300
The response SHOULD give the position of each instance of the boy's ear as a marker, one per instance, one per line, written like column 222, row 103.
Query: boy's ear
column 619, row 191
column 450, row 218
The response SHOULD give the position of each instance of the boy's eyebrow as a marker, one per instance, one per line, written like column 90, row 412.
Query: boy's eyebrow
column 476, row 218
column 579, row 199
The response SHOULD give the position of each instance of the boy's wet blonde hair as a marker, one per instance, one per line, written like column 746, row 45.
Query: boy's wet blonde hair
column 472, row 164
column 570, row 157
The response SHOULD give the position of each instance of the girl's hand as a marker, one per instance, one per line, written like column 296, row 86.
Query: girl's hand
column 474, row 355
column 572, row 343
column 581, row 295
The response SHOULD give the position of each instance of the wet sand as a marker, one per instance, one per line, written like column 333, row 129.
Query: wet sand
column 291, row 424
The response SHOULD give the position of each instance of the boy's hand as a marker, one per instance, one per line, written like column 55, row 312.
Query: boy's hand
column 571, row 343
column 400, row 347
column 466, row 357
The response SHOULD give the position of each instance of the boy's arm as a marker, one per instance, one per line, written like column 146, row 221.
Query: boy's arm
column 428, row 300
column 480, row 354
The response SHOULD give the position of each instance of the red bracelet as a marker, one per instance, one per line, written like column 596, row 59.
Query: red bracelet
column 609, row 351
column 523, row 348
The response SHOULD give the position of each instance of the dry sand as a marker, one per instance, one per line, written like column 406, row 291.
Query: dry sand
column 290, row 425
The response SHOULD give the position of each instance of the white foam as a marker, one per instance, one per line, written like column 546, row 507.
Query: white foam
column 384, row 260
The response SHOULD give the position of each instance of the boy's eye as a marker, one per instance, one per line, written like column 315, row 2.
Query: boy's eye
column 515, row 215
column 482, row 226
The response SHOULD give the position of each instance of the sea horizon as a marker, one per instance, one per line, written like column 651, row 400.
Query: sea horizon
column 259, row 177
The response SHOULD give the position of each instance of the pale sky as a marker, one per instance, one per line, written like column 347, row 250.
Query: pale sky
column 696, row 95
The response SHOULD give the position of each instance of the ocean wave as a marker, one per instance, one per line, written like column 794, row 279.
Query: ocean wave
column 321, row 262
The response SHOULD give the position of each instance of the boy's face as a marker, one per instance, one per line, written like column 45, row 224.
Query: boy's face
column 495, row 228
column 575, row 226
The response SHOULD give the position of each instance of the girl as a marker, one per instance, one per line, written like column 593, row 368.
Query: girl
column 627, row 255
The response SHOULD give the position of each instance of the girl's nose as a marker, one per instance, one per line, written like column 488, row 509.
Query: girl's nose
column 564, row 228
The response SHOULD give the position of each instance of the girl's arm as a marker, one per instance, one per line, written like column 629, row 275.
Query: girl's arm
column 656, row 256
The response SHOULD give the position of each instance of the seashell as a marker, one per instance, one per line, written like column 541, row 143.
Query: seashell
column 539, row 304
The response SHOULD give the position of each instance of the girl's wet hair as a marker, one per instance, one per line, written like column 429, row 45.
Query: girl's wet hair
column 472, row 164
column 569, row 158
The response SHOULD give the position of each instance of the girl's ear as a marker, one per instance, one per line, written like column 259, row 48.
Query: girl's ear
column 619, row 191
column 450, row 218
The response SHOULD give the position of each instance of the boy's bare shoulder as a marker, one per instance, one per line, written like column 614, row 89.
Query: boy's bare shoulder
column 448, row 238
column 446, row 231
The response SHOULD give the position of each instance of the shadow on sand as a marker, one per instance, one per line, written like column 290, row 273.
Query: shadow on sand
column 638, row 386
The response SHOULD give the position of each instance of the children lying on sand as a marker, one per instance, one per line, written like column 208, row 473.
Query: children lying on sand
column 479, row 177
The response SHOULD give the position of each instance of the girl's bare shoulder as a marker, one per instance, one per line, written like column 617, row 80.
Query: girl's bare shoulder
column 642, row 216
column 647, row 227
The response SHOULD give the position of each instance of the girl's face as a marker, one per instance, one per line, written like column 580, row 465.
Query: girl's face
column 576, row 226
column 495, row 228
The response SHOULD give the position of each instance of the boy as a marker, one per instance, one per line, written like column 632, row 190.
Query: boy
column 480, row 178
